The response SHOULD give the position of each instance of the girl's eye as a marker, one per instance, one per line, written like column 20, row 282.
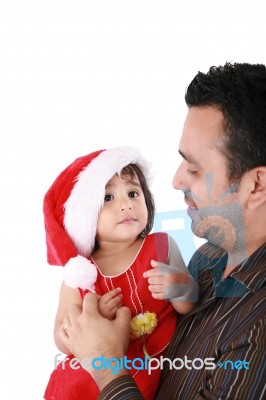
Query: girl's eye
column 133, row 193
column 191, row 172
column 108, row 197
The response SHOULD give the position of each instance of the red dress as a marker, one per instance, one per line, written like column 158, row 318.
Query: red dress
column 77, row 384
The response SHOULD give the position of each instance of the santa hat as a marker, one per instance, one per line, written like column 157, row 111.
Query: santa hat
column 72, row 206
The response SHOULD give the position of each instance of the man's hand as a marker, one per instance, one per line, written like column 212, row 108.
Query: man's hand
column 110, row 302
column 88, row 335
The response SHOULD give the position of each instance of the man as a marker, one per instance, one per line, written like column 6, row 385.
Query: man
column 218, row 350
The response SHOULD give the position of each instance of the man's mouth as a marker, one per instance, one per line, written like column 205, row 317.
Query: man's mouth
column 190, row 203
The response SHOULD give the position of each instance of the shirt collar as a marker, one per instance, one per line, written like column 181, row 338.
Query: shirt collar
column 252, row 271
column 250, row 275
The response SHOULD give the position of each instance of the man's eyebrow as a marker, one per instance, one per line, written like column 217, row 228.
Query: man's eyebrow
column 189, row 158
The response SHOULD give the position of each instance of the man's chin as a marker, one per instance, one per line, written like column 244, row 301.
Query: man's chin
column 216, row 230
column 196, row 231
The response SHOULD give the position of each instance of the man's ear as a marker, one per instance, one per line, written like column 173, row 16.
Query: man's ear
column 257, row 193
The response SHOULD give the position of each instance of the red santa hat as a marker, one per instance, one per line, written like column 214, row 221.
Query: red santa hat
column 72, row 206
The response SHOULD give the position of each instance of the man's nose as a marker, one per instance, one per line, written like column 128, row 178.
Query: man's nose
column 180, row 181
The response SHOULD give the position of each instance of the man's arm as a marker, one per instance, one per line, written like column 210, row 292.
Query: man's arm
column 90, row 336
column 68, row 296
column 123, row 388
column 240, row 371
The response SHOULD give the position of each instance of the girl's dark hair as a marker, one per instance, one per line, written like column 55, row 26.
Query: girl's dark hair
column 239, row 91
column 133, row 170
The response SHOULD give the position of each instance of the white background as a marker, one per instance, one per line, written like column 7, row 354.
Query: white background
column 77, row 76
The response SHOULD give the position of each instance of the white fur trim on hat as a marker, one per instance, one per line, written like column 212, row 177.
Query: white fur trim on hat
column 79, row 272
column 87, row 196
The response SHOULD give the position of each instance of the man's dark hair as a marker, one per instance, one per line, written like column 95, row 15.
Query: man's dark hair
column 239, row 91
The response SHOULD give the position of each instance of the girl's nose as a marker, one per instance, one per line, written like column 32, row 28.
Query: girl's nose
column 126, row 204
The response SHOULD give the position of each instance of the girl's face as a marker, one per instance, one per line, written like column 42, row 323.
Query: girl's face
column 124, row 214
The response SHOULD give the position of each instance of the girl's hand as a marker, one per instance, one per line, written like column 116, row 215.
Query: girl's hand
column 167, row 282
column 110, row 302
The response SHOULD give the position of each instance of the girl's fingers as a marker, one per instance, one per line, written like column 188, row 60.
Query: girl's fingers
column 112, row 294
column 156, row 288
column 115, row 301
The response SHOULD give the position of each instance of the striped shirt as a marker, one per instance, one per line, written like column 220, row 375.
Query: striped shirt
column 227, row 325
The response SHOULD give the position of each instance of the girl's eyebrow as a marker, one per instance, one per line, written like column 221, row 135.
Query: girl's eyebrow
column 189, row 158
column 127, row 181
column 108, row 184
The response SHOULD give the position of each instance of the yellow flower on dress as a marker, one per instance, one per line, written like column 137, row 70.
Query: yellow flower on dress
column 143, row 324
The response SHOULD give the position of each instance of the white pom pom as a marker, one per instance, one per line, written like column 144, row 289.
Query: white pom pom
column 79, row 272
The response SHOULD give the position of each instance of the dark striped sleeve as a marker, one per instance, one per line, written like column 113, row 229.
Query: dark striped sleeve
column 122, row 388
column 243, row 382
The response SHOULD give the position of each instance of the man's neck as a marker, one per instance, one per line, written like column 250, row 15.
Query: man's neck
column 236, row 257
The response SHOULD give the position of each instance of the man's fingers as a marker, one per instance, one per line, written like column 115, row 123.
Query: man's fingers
column 123, row 318
column 66, row 324
column 74, row 312
column 63, row 334
column 90, row 305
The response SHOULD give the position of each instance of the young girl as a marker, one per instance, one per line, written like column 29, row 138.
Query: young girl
column 98, row 214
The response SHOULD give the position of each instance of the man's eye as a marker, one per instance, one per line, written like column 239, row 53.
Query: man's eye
column 191, row 172
column 108, row 197
column 133, row 194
